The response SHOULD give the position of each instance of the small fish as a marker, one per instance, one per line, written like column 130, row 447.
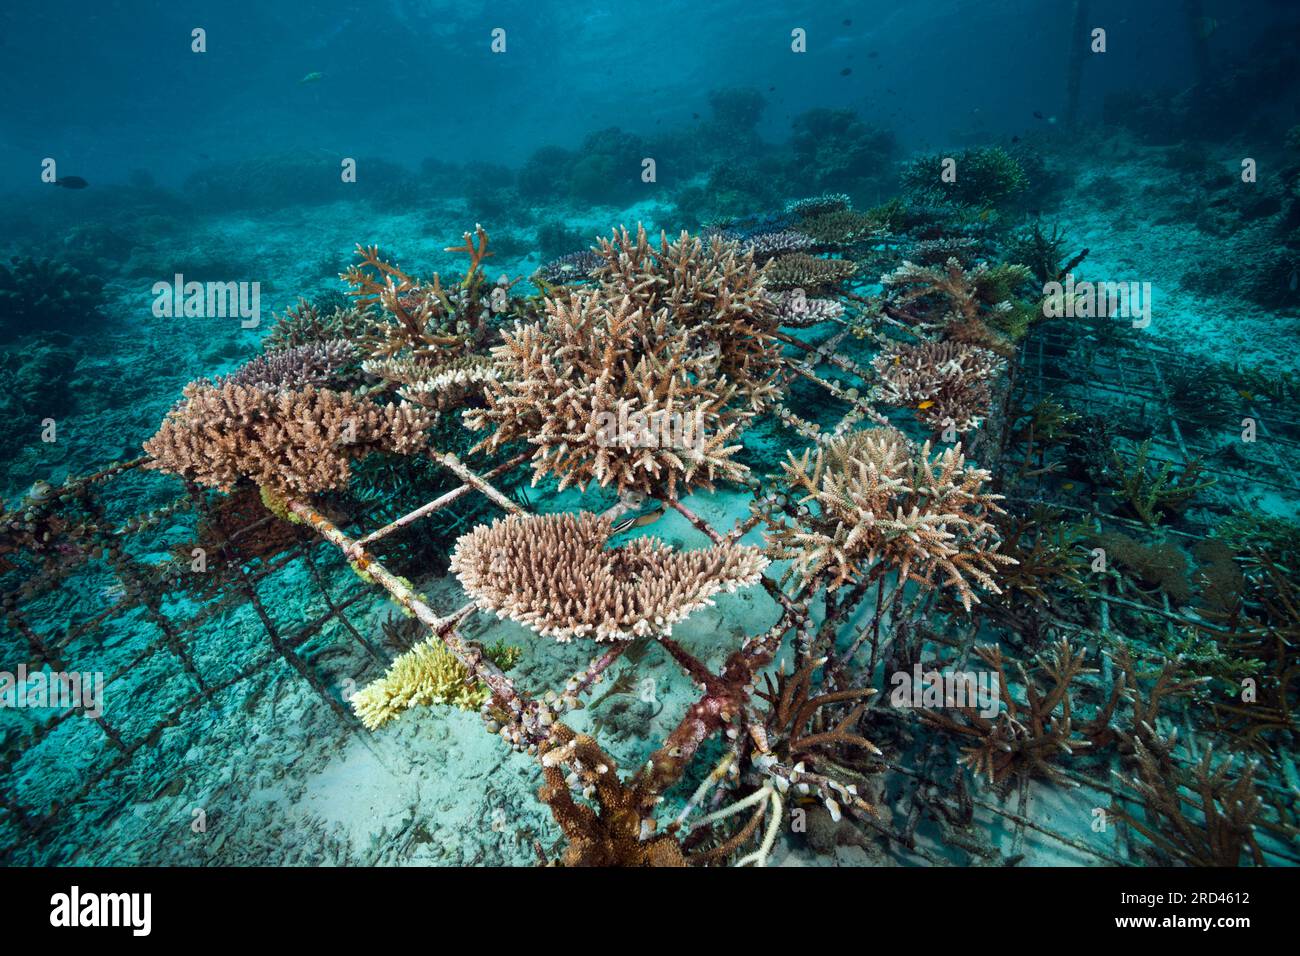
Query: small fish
column 71, row 182
column 771, row 89
column 1038, row 115
column 984, row 216
column 40, row 491
column 1206, row 27
column 1015, row 139
column 1295, row 280
column 928, row 403
column 846, row 71
column 312, row 78
column 873, row 54
column 1248, row 396
column 1068, row 486
column 638, row 521
column 848, row 23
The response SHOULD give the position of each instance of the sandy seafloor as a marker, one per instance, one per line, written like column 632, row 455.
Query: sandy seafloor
column 275, row 777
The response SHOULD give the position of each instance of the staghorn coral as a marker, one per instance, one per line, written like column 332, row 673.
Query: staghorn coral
column 713, row 291
column 314, row 363
column 1153, row 496
column 552, row 573
column 885, row 506
column 970, row 305
column 309, row 324
column 426, row 320
column 643, row 380
column 793, row 709
column 615, row 833
column 613, row 396
column 1224, row 811
column 426, row 674
column 946, row 383
column 1023, row 739
column 798, row 270
column 290, row 441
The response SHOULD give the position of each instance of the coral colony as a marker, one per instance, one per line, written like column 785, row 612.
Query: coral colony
column 858, row 527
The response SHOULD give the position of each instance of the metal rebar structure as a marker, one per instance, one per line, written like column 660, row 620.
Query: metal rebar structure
column 84, row 533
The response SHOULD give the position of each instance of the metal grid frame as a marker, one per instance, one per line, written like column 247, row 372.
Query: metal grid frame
column 922, row 776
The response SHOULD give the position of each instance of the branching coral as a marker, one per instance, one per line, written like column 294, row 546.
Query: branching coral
column 798, row 311
column 574, row 268
column 424, row 316
column 291, row 441
column 441, row 387
column 798, row 270
column 1022, row 739
column 976, row 306
column 768, row 244
column 946, row 383
column 426, row 674
column 615, row 397
column 793, row 732
column 884, row 505
column 1153, row 495
column 1220, row 826
column 643, row 381
column 314, row 363
column 309, row 324
column 984, row 176
column 840, row 229
column 712, row 291
column 552, row 573
column 615, row 833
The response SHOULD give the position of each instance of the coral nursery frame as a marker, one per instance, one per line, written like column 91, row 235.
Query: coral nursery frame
column 80, row 514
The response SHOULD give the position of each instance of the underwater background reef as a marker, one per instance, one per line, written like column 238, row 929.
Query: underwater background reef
column 853, row 434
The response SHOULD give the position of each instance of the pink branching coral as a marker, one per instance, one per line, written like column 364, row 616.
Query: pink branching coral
column 714, row 292
column 613, row 396
column 883, row 505
column 289, row 441
column 946, row 383
column 310, row 364
column 552, row 573
column 644, row 380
